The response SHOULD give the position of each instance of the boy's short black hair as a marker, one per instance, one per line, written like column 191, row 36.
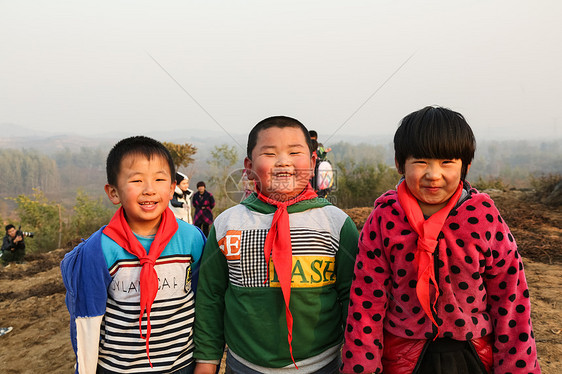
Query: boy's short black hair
column 434, row 132
column 9, row 227
column 276, row 121
column 140, row 145
column 313, row 134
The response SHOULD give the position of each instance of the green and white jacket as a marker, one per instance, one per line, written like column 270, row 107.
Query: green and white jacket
column 240, row 305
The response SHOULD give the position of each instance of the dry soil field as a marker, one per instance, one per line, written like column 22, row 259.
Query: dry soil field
column 32, row 294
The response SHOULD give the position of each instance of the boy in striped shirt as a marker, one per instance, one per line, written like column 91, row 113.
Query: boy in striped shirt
column 129, row 285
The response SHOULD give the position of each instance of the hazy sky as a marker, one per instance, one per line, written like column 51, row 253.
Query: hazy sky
column 341, row 67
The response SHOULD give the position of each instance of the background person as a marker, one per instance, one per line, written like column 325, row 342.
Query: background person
column 321, row 151
column 203, row 203
column 13, row 246
column 321, row 179
column 181, row 202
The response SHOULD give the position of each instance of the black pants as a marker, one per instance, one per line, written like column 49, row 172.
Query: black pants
column 205, row 228
column 13, row 256
column 449, row 356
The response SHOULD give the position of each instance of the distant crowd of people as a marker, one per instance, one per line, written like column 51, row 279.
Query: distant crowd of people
column 184, row 200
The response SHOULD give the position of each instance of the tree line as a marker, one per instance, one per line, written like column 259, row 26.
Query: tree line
column 60, row 196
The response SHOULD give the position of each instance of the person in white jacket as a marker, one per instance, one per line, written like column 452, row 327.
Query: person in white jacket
column 181, row 202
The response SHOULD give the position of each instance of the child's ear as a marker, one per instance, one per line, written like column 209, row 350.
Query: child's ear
column 172, row 189
column 313, row 159
column 248, row 166
column 112, row 193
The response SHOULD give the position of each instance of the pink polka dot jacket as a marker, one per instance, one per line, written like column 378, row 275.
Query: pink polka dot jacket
column 480, row 277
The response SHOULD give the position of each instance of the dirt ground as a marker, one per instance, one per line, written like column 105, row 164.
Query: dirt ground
column 32, row 294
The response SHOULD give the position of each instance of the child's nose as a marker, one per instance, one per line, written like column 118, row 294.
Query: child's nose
column 282, row 160
column 433, row 171
column 149, row 188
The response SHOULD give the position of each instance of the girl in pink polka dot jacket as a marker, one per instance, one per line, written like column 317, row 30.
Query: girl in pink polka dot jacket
column 439, row 285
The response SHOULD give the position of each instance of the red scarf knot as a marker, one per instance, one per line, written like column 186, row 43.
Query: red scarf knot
column 427, row 245
column 147, row 261
column 120, row 232
column 278, row 244
column 428, row 232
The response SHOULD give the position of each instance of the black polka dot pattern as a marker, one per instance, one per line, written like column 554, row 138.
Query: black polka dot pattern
column 480, row 277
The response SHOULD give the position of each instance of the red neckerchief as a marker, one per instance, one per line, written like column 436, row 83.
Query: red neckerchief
column 278, row 242
column 428, row 230
column 118, row 229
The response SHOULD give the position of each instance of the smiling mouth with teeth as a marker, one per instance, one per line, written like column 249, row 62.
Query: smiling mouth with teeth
column 281, row 173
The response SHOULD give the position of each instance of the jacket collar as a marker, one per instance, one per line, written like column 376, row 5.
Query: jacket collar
column 253, row 203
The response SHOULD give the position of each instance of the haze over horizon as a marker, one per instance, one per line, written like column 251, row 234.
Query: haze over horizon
column 345, row 69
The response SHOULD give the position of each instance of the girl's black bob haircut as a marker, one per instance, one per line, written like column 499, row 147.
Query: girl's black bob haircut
column 136, row 145
column 276, row 121
column 434, row 132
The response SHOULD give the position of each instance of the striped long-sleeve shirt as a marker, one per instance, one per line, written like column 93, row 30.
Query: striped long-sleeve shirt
column 103, row 293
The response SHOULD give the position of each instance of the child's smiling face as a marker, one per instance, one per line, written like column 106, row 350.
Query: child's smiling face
column 432, row 181
column 281, row 162
column 144, row 189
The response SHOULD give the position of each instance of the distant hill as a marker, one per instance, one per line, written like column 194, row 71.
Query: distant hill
column 18, row 137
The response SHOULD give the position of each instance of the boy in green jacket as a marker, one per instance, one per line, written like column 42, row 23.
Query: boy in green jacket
column 277, row 268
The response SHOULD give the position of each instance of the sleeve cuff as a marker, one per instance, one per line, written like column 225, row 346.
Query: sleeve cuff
column 214, row 362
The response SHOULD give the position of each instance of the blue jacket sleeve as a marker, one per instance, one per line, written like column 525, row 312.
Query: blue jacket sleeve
column 86, row 278
column 197, row 263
